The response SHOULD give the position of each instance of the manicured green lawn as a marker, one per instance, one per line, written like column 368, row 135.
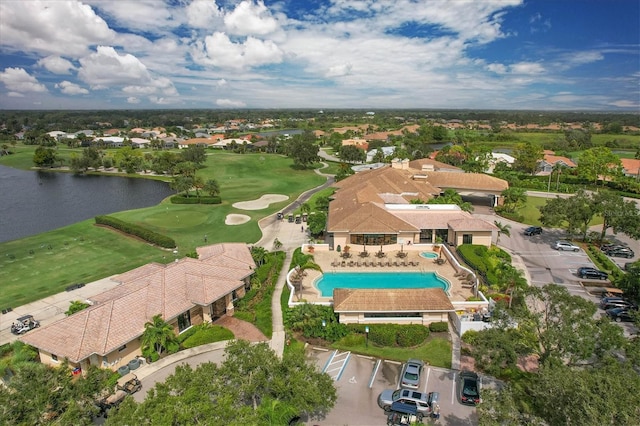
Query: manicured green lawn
column 532, row 214
column 436, row 351
column 27, row 277
column 39, row 266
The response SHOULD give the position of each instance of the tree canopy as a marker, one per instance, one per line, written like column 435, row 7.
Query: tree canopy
column 251, row 386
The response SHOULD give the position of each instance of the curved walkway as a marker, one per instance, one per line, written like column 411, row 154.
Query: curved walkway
column 242, row 330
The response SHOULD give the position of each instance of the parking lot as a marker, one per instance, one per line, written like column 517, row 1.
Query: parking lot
column 359, row 380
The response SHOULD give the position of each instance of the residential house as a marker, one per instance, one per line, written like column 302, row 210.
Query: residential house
column 185, row 293
column 631, row 167
column 550, row 160
column 357, row 142
column 386, row 151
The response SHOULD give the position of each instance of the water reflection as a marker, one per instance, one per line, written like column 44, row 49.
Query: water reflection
column 32, row 202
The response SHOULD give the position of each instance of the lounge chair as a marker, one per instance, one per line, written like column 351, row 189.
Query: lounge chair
column 358, row 263
column 404, row 263
column 395, row 263
column 344, row 263
column 351, row 263
column 380, row 264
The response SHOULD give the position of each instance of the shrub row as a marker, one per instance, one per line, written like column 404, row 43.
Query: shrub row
column 486, row 262
column 390, row 335
column 604, row 262
column 181, row 199
column 138, row 231
column 439, row 327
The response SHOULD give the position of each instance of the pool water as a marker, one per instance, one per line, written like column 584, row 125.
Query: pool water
column 429, row 255
column 390, row 280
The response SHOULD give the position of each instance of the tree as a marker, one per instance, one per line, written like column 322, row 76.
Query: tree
column 622, row 216
column 39, row 394
column 158, row 336
column 450, row 196
column 598, row 163
column 502, row 229
column 76, row 306
column 563, row 327
column 304, row 153
column 211, row 187
column 316, row 223
column 258, row 254
column 527, row 156
column 630, row 283
column 352, row 154
column 251, row 386
column 182, row 184
column 44, row 157
column 513, row 198
column 195, row 154
column 573, row 213
column 344, row 171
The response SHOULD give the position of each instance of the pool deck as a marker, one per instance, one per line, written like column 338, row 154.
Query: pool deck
column 309, row 292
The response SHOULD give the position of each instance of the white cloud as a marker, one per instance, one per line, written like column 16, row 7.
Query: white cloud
column 69, row 88
column 18, row 80
column 250, row 18
column 133, row 100
column 15, row 95
column 51, row 27
column 623, row 103
column 339, row 70
column 203, row 14
column 56, row 64
column 218, row 50
column 229, row 103
column 527, row 68
column 105, row 68
column 141, row 15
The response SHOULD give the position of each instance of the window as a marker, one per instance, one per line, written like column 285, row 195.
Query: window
column 122, row 348
column 184, row 321
column 392, row 314
column 373, row 239
column 467, row 238
column 234, row 295
column 54, row 357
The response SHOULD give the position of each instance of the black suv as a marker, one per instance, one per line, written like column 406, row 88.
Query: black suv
column 592, row 273
column 533, row 230
column 619, row 251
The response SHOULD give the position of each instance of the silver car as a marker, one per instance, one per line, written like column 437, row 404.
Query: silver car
column 563, row 245
column 410, row 377
column 421, row 401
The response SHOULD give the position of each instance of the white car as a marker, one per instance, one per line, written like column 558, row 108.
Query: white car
column 565, row 246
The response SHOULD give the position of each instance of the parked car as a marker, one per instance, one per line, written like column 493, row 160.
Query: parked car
column 605, row 247
column 410, row 377
column 610, row 299
column 563, row 245
column 24, row 324
column 420, row 400
column 533, row 230
column 620, row 251
column 616, row 303
column 620, row 314
column 587, row 272
column 469, row 388
column 126, row 385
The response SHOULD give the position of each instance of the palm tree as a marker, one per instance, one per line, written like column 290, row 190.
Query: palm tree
column 258, row 254
column 159, row 335
column 502, row 229
column 305, row 208
column 211, row 187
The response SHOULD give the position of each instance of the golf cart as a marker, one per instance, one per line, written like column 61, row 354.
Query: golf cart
column 24, row 324
column 403, row 414
column 127, row 385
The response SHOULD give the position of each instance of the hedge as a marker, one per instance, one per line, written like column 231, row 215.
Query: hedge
column 404, row 336
column 136, row 230
column 181, row 199
column 484, row 260
column 439, row 327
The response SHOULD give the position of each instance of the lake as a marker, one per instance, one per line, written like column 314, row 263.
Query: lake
column 32, row 202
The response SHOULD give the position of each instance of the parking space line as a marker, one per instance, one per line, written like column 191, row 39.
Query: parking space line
column 344, row 366
column 324, row 370
column 340, row 361
column 426, row 381
column 453, row 389
column 374, row 372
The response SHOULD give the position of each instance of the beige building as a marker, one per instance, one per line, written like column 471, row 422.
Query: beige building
column 377, row 208
column 185, row 293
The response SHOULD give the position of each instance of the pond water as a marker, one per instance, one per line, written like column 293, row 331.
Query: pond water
column 32, row 202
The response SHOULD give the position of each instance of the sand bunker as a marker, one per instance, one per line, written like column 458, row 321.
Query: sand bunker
column 261, row 203
column 236, row 219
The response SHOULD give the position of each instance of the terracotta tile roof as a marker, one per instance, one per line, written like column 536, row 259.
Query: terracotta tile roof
column 477, row 181
column 386, row 300
column 119, row 314
column 471, row 224
column 436, row 165
column 433, row 220
column 631, row 166
column 553, row 159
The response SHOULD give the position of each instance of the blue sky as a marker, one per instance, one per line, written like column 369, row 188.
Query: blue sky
column 497, row 54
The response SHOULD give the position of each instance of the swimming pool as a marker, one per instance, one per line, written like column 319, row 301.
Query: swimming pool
column 392, row 280
column 429, row 255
